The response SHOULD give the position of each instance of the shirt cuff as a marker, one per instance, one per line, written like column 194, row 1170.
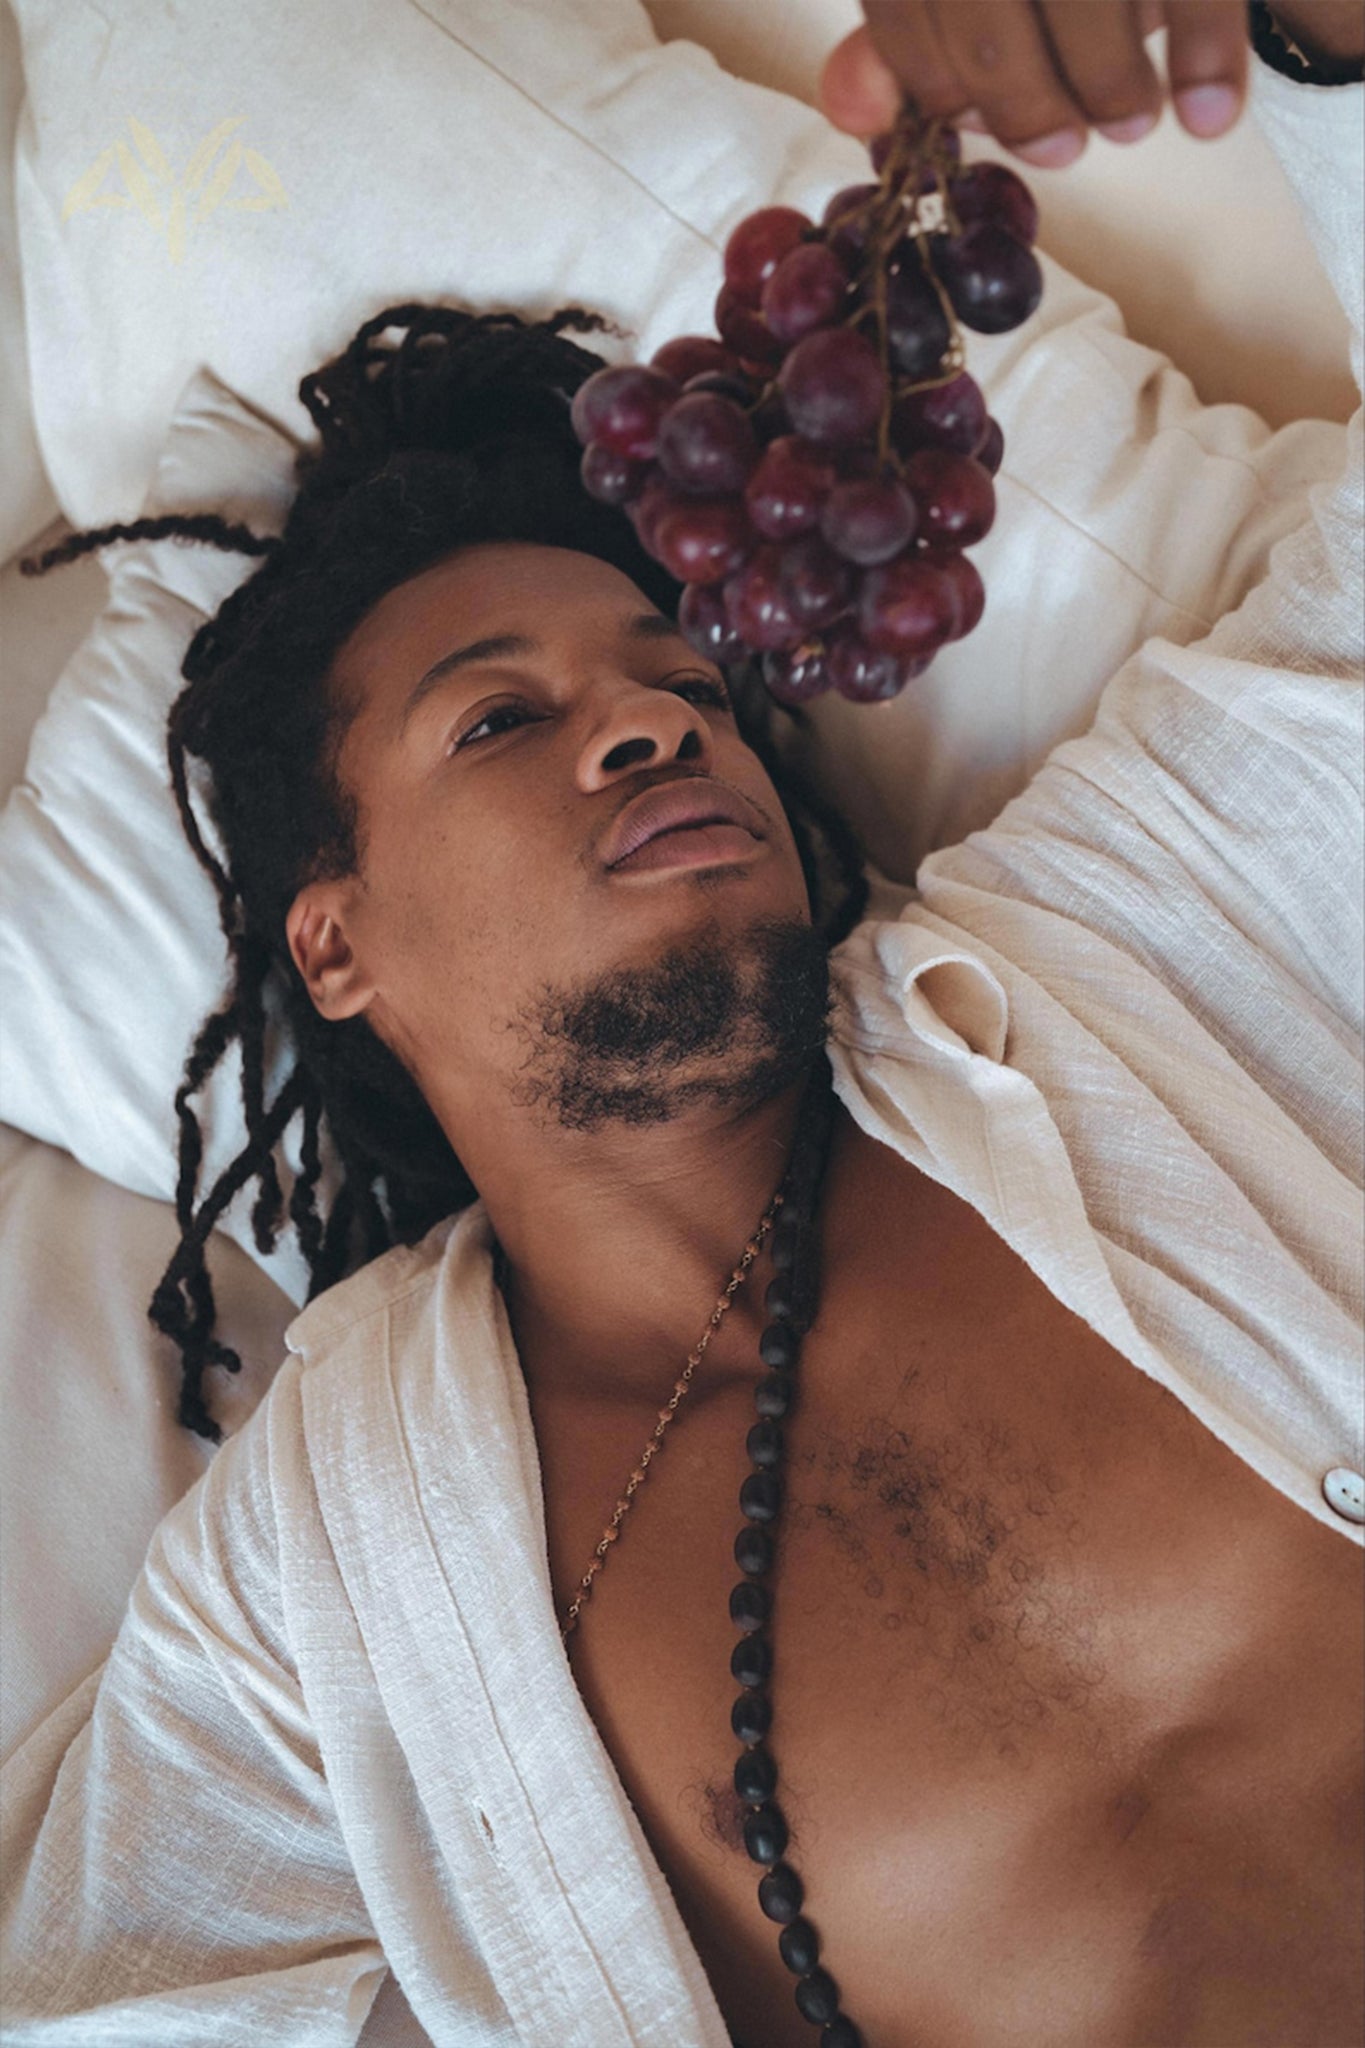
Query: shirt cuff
column 1275, row 47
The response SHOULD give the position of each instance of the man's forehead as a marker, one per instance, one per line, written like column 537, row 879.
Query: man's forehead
column 488, row 589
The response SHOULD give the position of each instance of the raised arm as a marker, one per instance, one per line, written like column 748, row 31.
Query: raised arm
column 1209, row 822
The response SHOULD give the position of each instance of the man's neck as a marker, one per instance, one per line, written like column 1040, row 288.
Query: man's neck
column 618, row 1245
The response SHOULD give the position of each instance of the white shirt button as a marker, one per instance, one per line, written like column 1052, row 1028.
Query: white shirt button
column 1345, row 1492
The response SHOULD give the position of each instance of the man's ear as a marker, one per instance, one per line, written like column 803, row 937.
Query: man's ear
column 316, row 928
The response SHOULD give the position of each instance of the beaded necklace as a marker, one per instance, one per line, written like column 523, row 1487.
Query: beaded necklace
column 790, row 1301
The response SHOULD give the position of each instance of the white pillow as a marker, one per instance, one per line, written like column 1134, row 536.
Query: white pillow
column 110, row 949
column 529, row 153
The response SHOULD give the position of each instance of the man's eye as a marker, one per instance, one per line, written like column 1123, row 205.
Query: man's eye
column 709, row 691
column 501, row 718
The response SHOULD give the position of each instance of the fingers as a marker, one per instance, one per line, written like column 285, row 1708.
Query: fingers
column 858, row 90
column 1099, row 52
column 1038, row 74
column 1206, row 61
column 1003, row 67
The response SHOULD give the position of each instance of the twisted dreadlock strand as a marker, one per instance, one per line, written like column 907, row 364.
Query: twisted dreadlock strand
column 205, row 526
column 457, row 432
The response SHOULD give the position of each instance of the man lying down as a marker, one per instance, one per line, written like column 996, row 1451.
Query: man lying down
column 980, row 1660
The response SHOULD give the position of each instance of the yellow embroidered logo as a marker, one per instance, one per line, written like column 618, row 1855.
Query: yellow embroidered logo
column 154, row 190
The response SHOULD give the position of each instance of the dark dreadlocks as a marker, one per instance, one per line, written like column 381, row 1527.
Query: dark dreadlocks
column 460, row 433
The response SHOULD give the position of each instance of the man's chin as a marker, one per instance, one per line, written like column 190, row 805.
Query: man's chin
column 725, row 1020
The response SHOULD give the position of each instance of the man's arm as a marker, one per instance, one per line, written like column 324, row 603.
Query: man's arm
column 173, row 1867
column 1223, row 776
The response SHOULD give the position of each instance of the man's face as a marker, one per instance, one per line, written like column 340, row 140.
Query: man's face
column 492, row 909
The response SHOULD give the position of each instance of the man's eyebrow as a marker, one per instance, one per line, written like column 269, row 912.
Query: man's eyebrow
column 511, row 646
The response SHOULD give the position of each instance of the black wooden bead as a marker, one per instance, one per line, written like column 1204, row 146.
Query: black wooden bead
column 751, row 1660
column 751, row 1716
column 799, row 1947
column 750, row 1605
column 765, row 1837
column 786, row 1242
column 760, row 1497
column 780, row 1894
column 764, row 1443
column 755, row 1781
column 773, row 1395
column 779, row 1296
column 817, row 1996
column 754, row 1551
column 840, row 2033
column 779, row 1346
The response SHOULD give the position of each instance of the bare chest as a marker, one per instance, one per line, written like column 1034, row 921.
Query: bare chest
column 1051, row 1668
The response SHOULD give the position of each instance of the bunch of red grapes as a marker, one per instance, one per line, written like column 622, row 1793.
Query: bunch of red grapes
column 814, row 472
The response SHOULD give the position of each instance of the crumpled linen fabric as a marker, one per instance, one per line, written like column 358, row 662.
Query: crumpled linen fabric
column 338, row 1732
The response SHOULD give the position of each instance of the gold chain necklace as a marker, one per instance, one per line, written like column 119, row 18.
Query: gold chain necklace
column 637, row 1477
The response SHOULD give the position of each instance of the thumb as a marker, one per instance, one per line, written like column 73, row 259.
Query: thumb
column 859, row 92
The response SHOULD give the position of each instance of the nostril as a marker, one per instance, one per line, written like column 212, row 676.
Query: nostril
column 691, row 745
column 628, row 753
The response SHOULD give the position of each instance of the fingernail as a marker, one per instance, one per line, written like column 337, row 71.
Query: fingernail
column 1131, row 130
column 971, row 120
column 1207, row 109
column 1051, row 152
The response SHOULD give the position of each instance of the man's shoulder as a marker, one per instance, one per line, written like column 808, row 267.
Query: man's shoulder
column 405, row 1271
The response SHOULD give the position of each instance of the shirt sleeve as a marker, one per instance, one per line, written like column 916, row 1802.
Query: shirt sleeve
column 1208, row 824
column 174, row 1869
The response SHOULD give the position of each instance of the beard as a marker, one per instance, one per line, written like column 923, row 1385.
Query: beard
column 727, row 1020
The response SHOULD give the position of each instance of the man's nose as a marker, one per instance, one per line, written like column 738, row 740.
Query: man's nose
column 644, row 728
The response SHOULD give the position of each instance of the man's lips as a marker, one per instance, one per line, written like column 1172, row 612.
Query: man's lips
column 690, row 800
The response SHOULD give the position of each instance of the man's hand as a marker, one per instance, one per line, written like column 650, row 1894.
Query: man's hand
column 1038, row 74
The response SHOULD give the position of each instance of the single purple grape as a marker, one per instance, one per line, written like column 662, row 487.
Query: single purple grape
column 757, row 246
column 817, row 583
column 645, row 510
column 917, row 330
column 971, row 591
column 731, row 384
column 908, row 607
column 833, row 386
column 797, row 675
column 868, row 520
column 610, row 477
column 621, row 406
column 993, row 280
column 993, row 192
column 757, row 606
column 865, row 675
column 744, row 330
column 694, row 355
column 703, row 540
column 991, row 453
column 951, row 416
column 706, row 445
column 701, row 615
column 955, row 496
column 785, row 492
column 808, row 289
column 846, row 225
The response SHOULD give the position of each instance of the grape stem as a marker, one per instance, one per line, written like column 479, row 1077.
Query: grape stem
column 916, row 147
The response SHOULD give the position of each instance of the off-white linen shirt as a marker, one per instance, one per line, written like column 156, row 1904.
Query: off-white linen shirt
column 338, row 1731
